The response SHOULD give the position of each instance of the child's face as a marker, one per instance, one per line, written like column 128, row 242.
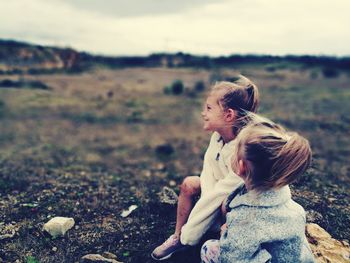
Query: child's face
column 213, row 114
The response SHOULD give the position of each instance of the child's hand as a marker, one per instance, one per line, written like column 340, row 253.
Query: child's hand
column 223, row 229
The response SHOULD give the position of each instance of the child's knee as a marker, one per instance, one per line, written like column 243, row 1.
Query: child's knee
column 190, row 186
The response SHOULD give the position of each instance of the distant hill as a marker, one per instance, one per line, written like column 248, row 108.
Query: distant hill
column 20, row 57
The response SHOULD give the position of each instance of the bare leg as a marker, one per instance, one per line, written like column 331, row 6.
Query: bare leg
column 188, row 190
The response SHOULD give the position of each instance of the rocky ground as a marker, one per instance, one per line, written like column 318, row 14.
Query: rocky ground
column 90, row 153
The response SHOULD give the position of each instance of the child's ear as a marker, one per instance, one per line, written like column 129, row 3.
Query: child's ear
column 230, row 115
column 242, row 167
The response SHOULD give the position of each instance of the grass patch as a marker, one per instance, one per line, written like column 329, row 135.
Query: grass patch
column 24, row 84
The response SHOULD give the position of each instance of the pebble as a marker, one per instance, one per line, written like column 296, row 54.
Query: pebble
column 147, row 173
column 313, row 216
column 96, row 258
column 109, row 255
column 54, row 249
column 58, row 226
column 8, row 231
column 127, row 212
column 168, row 196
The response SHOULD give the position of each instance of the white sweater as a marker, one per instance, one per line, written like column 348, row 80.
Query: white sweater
column 217, row 181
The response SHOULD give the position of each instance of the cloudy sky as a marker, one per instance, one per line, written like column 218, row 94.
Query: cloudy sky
column 204, row 27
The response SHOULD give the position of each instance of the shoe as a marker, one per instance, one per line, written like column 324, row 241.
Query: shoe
column 165, row 250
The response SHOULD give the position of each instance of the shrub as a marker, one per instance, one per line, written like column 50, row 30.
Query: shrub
column 177, row 87
column 2, row 108
column 164, row 149
column 199, row 86
column 167, row 90
column 330, row 73
column 30, row 84
column 314, row 75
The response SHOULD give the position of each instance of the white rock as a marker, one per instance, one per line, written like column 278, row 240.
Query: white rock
column 131, row 208
column 172, row 183
column 58, row 226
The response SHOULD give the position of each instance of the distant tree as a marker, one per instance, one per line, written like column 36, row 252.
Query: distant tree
column 330, row 73
column 176, row 88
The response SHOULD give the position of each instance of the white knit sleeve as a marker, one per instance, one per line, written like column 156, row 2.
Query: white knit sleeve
column 207, row 178
column 206, row 209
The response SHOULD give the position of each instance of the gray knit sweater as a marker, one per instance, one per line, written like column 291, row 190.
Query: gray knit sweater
column 266, row 227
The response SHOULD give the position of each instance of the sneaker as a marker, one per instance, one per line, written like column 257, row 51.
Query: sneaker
column 165, row 250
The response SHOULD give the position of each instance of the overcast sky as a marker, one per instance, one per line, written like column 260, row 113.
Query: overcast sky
column 204, row 27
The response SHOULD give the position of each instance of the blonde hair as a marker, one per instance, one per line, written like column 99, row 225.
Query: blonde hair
column 241, row 95
column 273, row 157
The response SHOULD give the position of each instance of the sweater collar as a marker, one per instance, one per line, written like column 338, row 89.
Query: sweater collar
column 220, row 142
column 273, row 197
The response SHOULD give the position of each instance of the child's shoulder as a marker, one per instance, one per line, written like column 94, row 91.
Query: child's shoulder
column 295, row 209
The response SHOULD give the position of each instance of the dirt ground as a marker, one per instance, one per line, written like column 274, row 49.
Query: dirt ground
column 96, row 143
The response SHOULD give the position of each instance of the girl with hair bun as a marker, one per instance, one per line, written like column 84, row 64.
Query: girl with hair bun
column 263, row 223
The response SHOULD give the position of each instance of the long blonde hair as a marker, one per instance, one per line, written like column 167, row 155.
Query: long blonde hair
column 241, row 95
column 272, row 156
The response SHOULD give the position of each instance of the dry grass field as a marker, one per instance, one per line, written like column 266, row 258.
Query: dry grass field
column 97, row 142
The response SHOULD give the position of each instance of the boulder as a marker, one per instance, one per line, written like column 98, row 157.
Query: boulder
column 96, row 258
column 325, row 248
column 58, row 226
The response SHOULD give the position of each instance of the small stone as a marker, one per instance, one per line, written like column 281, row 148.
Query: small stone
column 54, row 249
column 96, row 258
column 160, row 167
column 168, row 196
column 93, row 158
column 147, row 173
column 332, row 199
column 313, row 216
column 172, row 183
column 58, row 226
column 7, row 231
column 109, row 255
column 127, row 212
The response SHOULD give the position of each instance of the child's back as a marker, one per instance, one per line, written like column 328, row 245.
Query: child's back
column 265, row 227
